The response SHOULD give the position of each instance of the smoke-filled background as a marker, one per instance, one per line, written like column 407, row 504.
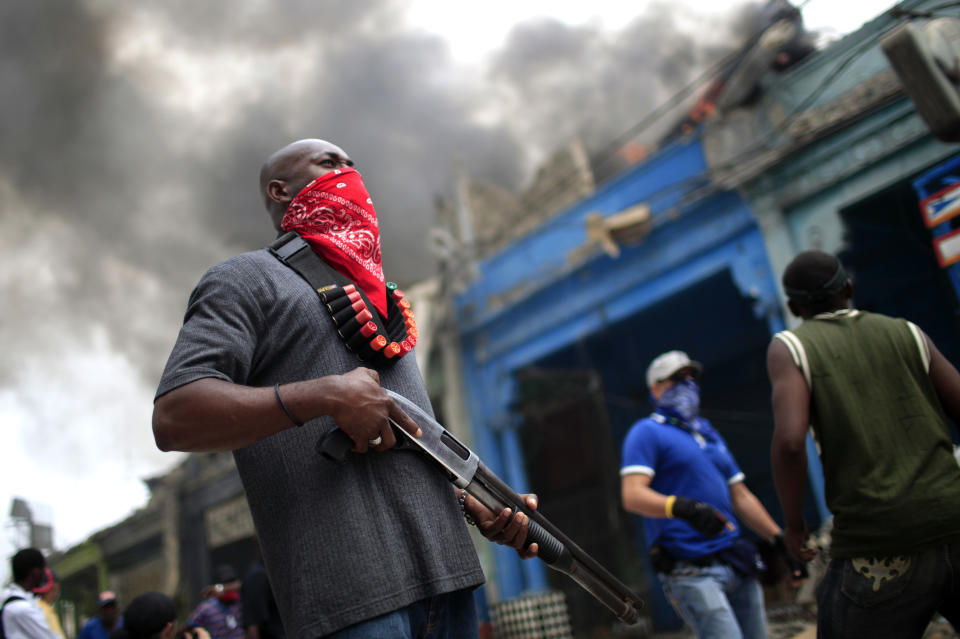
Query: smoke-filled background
column 131, row 135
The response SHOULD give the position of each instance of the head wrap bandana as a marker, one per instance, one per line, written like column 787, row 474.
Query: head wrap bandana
column 828, row 289
column 335, row 216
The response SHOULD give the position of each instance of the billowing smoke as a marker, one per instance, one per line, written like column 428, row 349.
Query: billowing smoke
column 570, row 80
column 561, row 80
column 133, row 134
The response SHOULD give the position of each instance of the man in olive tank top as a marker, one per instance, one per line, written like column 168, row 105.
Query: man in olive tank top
column 876, row 393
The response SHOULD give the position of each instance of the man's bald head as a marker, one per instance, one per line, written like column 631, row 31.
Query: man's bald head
column 287, row 171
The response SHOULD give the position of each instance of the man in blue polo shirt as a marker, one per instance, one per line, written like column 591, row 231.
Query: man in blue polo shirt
column 678, row 473
column 105, row 621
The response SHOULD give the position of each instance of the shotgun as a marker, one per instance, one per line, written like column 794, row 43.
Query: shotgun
column 466, row 471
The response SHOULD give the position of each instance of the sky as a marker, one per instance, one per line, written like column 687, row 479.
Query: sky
column 133, row 133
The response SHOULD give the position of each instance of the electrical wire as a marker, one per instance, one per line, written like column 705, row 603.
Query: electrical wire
column 929, row 13
column 766, row 142
column 762, row 145
column 609, row 152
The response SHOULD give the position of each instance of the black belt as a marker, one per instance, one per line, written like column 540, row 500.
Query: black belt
column 704, row 561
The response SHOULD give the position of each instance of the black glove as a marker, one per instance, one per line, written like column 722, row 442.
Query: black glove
column 797, row 569
column 706, row 519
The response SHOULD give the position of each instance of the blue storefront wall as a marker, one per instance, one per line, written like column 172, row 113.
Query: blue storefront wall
column 533, row 299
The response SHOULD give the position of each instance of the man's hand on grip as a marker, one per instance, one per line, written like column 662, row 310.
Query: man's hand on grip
column 507, row 527
column 364, row 411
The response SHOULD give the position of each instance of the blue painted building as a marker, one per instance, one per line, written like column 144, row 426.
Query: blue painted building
column 846, row 173
column 556, row 336
column 555, row 333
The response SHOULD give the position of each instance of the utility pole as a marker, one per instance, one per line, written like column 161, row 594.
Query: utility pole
column 24, row 529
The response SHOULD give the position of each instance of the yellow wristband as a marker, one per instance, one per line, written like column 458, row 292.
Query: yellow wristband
column 668, row 507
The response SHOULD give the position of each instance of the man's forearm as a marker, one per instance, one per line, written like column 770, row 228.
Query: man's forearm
column 643, row 500
column 791, row 417
column 214, row 415
column 752, row 513
column 789, row 464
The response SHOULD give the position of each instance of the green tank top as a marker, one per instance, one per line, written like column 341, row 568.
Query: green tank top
column 892, row 481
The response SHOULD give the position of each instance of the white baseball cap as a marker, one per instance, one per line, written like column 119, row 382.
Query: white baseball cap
column 669, row 363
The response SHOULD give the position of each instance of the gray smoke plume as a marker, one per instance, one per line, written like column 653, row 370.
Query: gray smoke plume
column 133, row 134
column 564, row 80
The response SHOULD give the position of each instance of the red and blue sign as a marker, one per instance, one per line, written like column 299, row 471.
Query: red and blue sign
column 939, row 192
column 941, row 206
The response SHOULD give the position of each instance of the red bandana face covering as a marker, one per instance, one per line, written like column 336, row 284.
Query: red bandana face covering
column 334, row 215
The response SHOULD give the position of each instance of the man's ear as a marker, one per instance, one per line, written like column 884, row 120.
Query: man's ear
column 794, row 308
column 277, row 191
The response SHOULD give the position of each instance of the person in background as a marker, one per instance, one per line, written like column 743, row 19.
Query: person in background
column 151, row 615
column 877, row 395
column 19, row 614
column 261, row 618
column 105, row 621
column 47, row 594
column 678, row 473
column 222, row 614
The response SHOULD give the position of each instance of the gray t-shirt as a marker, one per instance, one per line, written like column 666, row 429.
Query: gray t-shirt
column 341, row 543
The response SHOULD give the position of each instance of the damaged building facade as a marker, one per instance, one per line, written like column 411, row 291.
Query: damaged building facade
column 556, row 325
column 196, row 519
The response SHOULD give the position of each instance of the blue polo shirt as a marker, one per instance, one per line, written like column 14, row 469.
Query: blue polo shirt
column 94, row 628
column 695, row 465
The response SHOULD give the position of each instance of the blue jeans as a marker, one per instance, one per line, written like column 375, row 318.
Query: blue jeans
column 889, row 596
column 449, row 616
column 716, row 601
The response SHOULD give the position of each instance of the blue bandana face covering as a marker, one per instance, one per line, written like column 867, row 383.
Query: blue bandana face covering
column 682, row 400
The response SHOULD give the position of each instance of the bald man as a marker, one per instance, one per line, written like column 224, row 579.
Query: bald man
column 264, row 366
